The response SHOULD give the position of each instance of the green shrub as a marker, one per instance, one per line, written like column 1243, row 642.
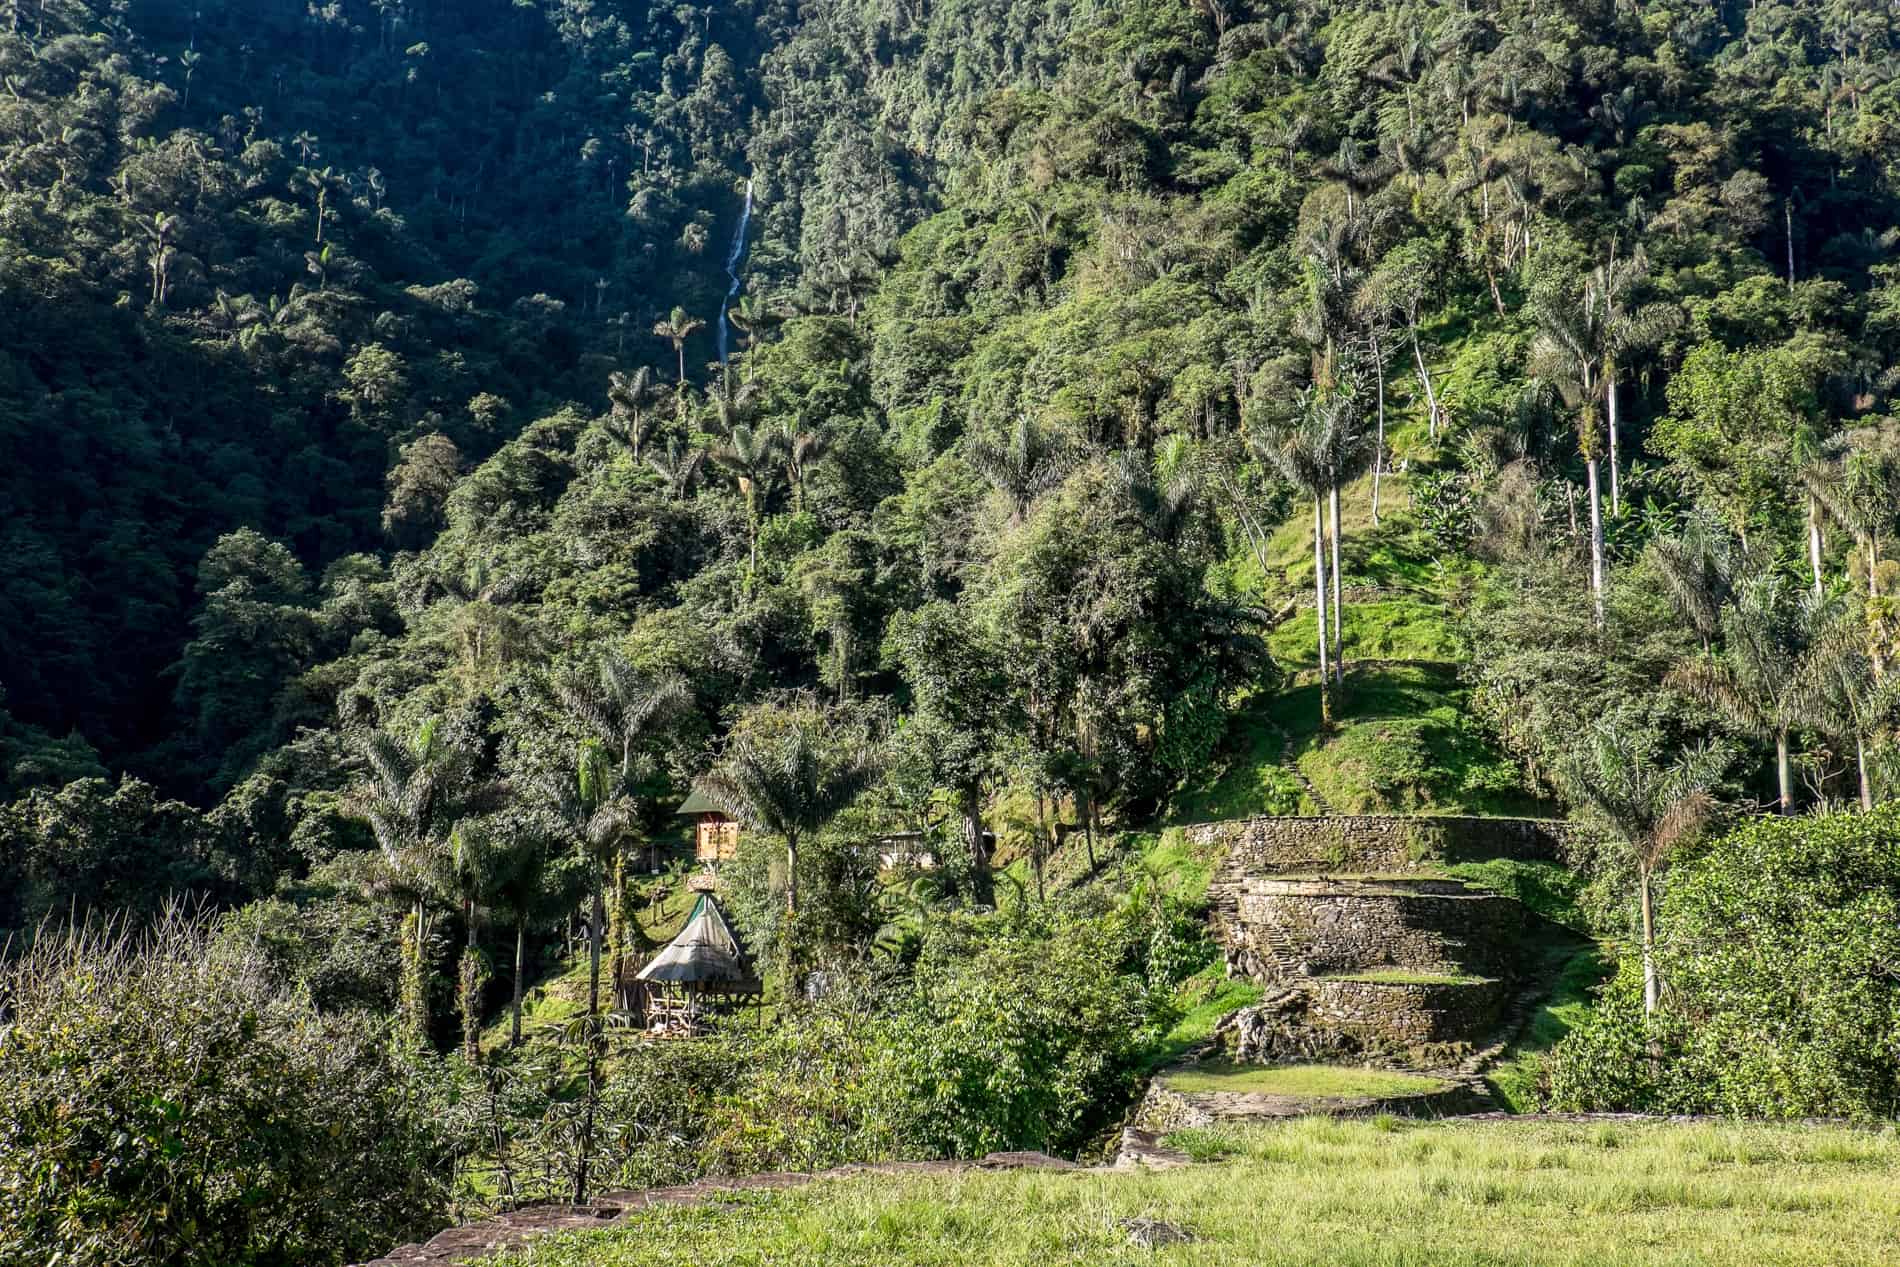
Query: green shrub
column 160, row 1103
column 1027, row 1029
column 1777, row 951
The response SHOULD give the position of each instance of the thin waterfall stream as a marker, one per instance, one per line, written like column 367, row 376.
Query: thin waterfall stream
column 734, row 258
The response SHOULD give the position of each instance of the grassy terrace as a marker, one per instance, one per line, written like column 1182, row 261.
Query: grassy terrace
column 1319, row 1192
column 1320, row 1081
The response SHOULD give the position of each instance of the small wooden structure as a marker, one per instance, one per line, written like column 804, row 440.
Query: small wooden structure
column 702, row 970
column 715, row 834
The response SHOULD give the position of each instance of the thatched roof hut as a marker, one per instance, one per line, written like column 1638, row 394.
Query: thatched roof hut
column 702, row 968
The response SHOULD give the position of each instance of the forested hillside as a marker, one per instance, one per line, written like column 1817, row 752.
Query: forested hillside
column 434, row 435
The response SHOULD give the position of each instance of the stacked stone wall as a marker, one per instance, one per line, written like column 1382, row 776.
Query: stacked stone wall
column 1376, row 842
column 1405, row 1014
column 1330, row 928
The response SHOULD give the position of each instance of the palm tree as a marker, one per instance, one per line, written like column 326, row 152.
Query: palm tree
column 415, row 798
column 1298, row 449
column 1568, row 353
column 1860, row 490
column 677, row 328
column 629, row 423
column 1024, row 467
column 597, row 819
column 678, row 466
column 1700, row 569
column 1374, row 317
column 622, row 709
column 749, row 317
column 729, row 408
column 1644, row 806
column 1756, row 681
column 529, row 881
column 1400, row 286
column 751, row 456
column 1627, row 331
column 1838, row 691
column 621, row 706
column 802, row 451
column 1348, row 450
column 788, row 787
column 1167, row 490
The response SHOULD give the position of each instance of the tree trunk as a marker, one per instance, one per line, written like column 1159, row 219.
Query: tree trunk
column 791, row 876
column 1378, row 453
column 1784, row 772
column 981, row 880
column 581, row 1164
column 1787, row 211
column 1037, row 847
column 521, row 958
column 1085, row 808
column 1860, row 760
column 469, row 984
column 788, row 942
column 1651, row 992
column 1425, row 377
column 617, row 927
column 594, row 930
column 1814, row 541
column 1596, row 538
column 1319, row 604
column 1339, row 654
column 1616, row 482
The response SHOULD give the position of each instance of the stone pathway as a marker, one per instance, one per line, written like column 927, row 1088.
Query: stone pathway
column 1291, row 765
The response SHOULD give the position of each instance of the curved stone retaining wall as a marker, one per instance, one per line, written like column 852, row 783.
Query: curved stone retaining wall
column 1342, row 926
column 1406, row 1014
column 1164, row 1109
column 1376, row 842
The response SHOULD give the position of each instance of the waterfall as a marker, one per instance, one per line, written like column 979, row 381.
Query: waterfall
column 733, row 258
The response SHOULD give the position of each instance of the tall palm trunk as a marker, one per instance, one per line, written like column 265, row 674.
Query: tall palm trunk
column 981, row 881
column 1319, row 604
column 791, row 876
column 1616, row 482
column 1378, row 453
column 1339, row 655
column 597, row 918
column 521, row 963
column 1860, row 760
column 469, row 988
column 1784, row 772
column 1596, row 538
column 1651, row 990
column 617, row 929
column 1814, row 541
column 1425, row 377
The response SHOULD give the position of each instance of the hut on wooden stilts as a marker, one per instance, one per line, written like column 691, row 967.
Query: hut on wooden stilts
column 702, row 970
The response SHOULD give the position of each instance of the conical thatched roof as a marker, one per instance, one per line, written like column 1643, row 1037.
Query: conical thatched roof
column 705, row 955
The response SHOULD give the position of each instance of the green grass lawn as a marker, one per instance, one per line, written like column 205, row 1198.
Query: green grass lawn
column 1328, row 1193
column 1396, row 629
column 1402, row 742
column 1329, row 1081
